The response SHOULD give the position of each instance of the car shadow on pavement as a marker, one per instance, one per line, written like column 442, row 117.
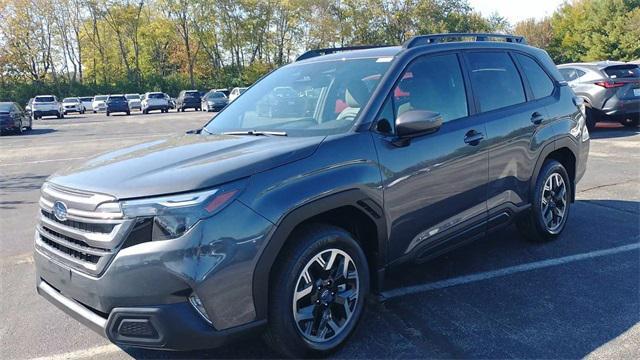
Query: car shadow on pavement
column 35, row 131
column 566, row 310
column 21, row 183
column 609, row 131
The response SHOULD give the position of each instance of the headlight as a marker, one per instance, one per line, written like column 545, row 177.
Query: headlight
column 174, row 215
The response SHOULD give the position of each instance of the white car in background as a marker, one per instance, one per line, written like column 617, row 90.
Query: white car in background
column 72, row 104
column 236, row 92
column 99, row 103
column 135, row 102
column 155, row 101
column 46, row 105
column 87, row 102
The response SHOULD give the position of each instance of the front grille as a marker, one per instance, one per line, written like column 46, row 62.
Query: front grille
column 88, row 239
column 93, row 259
column 90, row 227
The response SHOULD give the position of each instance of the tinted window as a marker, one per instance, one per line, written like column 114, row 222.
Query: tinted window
column 85, row 99
column 45, row 99
column 496, row 81
column 100, row 98
column 433, row 83
column 155, row 96
column 6, row 107
column 540, row 83
column 216, row 95
column 623, row 71
column 117, row 98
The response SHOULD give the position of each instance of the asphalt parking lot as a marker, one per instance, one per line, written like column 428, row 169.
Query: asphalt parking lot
column 501, row 297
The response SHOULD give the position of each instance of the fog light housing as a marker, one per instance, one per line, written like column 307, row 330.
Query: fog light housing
column 197, row 304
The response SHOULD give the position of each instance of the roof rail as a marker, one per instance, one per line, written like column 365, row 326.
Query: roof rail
column 319, row 52
column 438, row 38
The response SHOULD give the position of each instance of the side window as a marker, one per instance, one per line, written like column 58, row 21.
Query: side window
column 495, row 79
column 568, row 74
column 432, row 83
column 541, row 84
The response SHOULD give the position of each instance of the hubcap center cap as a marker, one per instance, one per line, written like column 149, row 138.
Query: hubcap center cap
column 326, row 296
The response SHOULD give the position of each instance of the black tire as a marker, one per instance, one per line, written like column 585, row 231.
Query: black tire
column 283, row 333
column 128, row 112
column 108, row 113
column 630, row 123
column 94, row 112
column 533, row 225
column 592, row 118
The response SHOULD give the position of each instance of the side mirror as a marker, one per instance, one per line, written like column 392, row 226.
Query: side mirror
column 417, row 122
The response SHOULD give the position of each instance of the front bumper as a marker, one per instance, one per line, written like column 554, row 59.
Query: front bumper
column 150, row 282
column 73, row 109
column 170, row 327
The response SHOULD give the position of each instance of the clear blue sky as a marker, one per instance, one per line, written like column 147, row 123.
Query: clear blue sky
column 516, row 10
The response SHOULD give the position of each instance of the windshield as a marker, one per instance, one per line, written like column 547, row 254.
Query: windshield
column 117, row 98
column 6, row 107
column 44, row 99
column 132, row 97
column 304, row 99
column 85, row 99
column 216, row 95
column 70, row 100
column 190, row 94
column 155, row 96
column 100, row 98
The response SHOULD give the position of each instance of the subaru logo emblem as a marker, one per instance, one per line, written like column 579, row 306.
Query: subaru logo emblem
column 60, row 210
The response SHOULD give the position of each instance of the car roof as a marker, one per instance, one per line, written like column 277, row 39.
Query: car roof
column 435, row 47
column 594, row 64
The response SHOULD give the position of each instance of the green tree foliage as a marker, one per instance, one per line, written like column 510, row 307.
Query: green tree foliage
column 85, row 47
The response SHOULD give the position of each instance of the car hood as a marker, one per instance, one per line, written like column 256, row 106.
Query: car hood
column 182, row 163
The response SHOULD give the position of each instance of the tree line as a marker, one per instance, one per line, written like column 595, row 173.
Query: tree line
column 84, row 47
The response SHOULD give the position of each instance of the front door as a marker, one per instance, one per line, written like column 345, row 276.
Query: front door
column 435, row 185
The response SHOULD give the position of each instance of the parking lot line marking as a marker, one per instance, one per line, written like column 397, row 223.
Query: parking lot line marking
column 466, row 279
column 43, row 161
column 84, row 353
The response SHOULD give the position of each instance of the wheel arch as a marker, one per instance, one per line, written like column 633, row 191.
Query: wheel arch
column 563, row 150
column 352, row 210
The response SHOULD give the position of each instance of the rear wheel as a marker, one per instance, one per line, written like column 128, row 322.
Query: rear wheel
column 128, row 112
column 550, row 206
column 318, row 292
column 108, row 113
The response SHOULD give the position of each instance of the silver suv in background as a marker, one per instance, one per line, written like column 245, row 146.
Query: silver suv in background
column 610, row 89
column 155, row 101
column 135, row 101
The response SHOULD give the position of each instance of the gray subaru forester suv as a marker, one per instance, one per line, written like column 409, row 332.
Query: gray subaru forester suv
column 282, row 214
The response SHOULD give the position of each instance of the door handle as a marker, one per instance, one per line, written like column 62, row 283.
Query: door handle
column 537, row 118
column 473, row 137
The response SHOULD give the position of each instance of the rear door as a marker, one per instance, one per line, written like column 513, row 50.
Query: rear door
column 515, row 117
column 435, row 184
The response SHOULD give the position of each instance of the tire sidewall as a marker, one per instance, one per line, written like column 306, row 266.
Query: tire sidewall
column 327, row 238
column 547, row 170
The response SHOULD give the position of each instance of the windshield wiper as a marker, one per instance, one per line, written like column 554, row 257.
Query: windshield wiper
column 256, row 133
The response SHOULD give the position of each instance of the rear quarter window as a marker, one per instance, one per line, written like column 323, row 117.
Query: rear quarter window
column 541, row 84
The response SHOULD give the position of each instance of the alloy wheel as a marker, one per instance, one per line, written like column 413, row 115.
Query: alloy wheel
column 554, row 202
column 326, row 295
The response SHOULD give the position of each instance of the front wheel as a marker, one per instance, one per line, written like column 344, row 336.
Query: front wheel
column 318, row 292
column 591, row 118
column 550, row 206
